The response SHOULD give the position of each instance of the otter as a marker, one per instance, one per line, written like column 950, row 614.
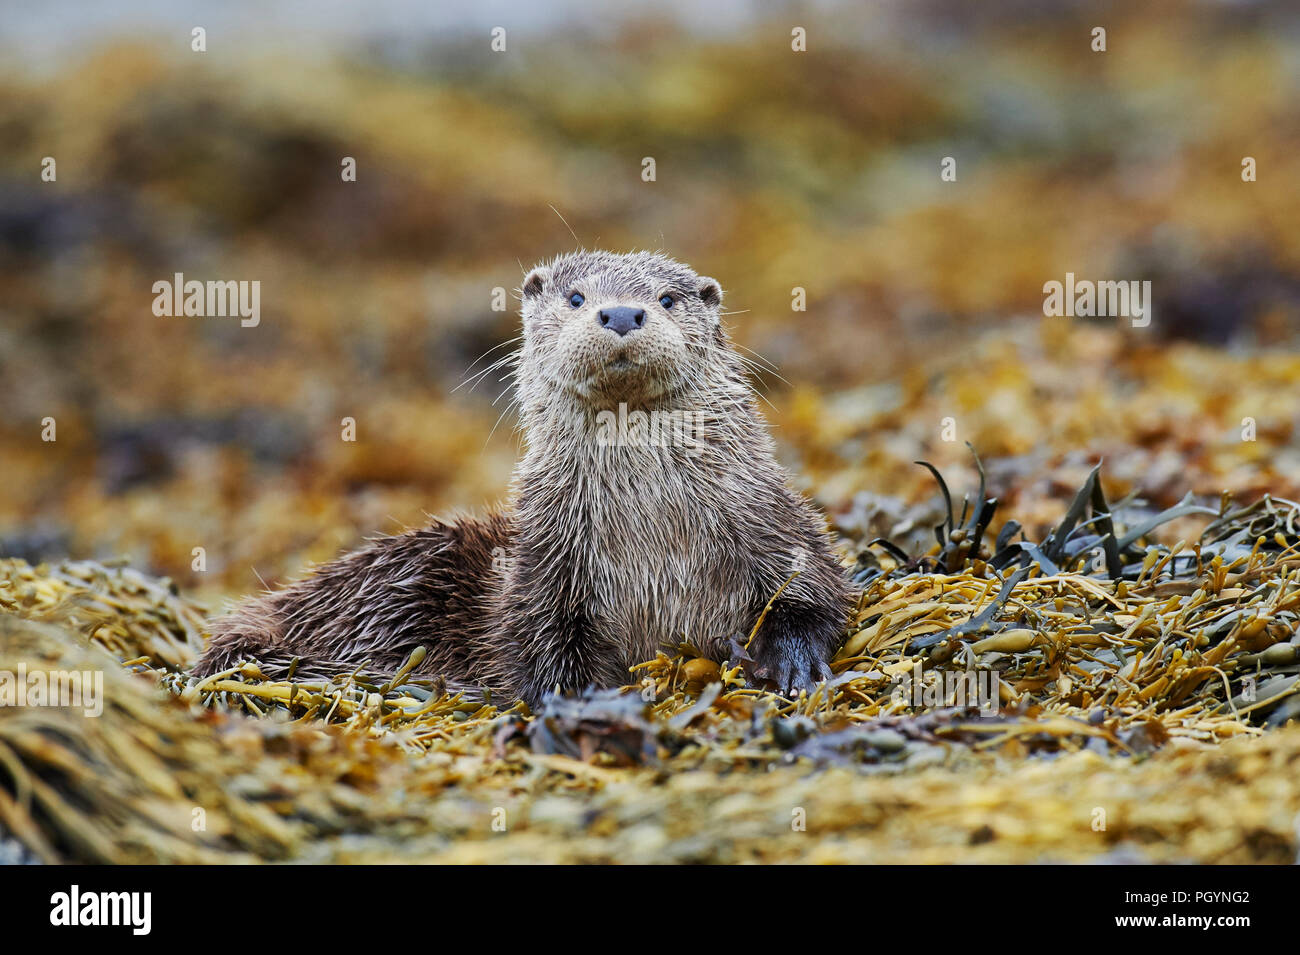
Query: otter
column 648, row 509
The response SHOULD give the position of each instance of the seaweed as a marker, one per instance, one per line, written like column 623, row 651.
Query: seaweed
column 1095, row 640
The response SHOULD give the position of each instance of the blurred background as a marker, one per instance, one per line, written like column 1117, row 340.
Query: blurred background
column 775, row 170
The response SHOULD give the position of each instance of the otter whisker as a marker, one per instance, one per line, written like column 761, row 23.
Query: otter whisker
column 499, row 363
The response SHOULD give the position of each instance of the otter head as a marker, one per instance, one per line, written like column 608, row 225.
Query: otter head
column 602, row 328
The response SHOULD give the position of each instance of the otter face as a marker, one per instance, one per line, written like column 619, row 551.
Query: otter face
column 609, row 328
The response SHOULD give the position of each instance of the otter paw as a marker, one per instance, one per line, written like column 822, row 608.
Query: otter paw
column 785, row 667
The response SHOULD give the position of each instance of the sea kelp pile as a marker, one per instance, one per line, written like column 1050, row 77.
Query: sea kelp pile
column 991, row 699
column 776, row 172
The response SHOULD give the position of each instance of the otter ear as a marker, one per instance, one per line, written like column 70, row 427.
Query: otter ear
column 710, row 291
column 536, row 281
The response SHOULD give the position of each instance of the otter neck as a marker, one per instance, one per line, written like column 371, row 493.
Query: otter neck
column 683, row 430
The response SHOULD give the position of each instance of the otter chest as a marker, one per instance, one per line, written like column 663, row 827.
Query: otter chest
column 661, row 560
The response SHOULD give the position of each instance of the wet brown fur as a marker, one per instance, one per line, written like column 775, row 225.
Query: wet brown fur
column 426, row 588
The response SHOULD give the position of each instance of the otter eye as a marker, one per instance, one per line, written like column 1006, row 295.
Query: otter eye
column 576, row 300
column 666, row 301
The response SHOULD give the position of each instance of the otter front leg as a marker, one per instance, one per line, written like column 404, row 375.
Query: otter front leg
column 554, row 648
column 793, row 646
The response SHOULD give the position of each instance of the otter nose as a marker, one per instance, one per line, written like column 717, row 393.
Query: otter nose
column 621, row 319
